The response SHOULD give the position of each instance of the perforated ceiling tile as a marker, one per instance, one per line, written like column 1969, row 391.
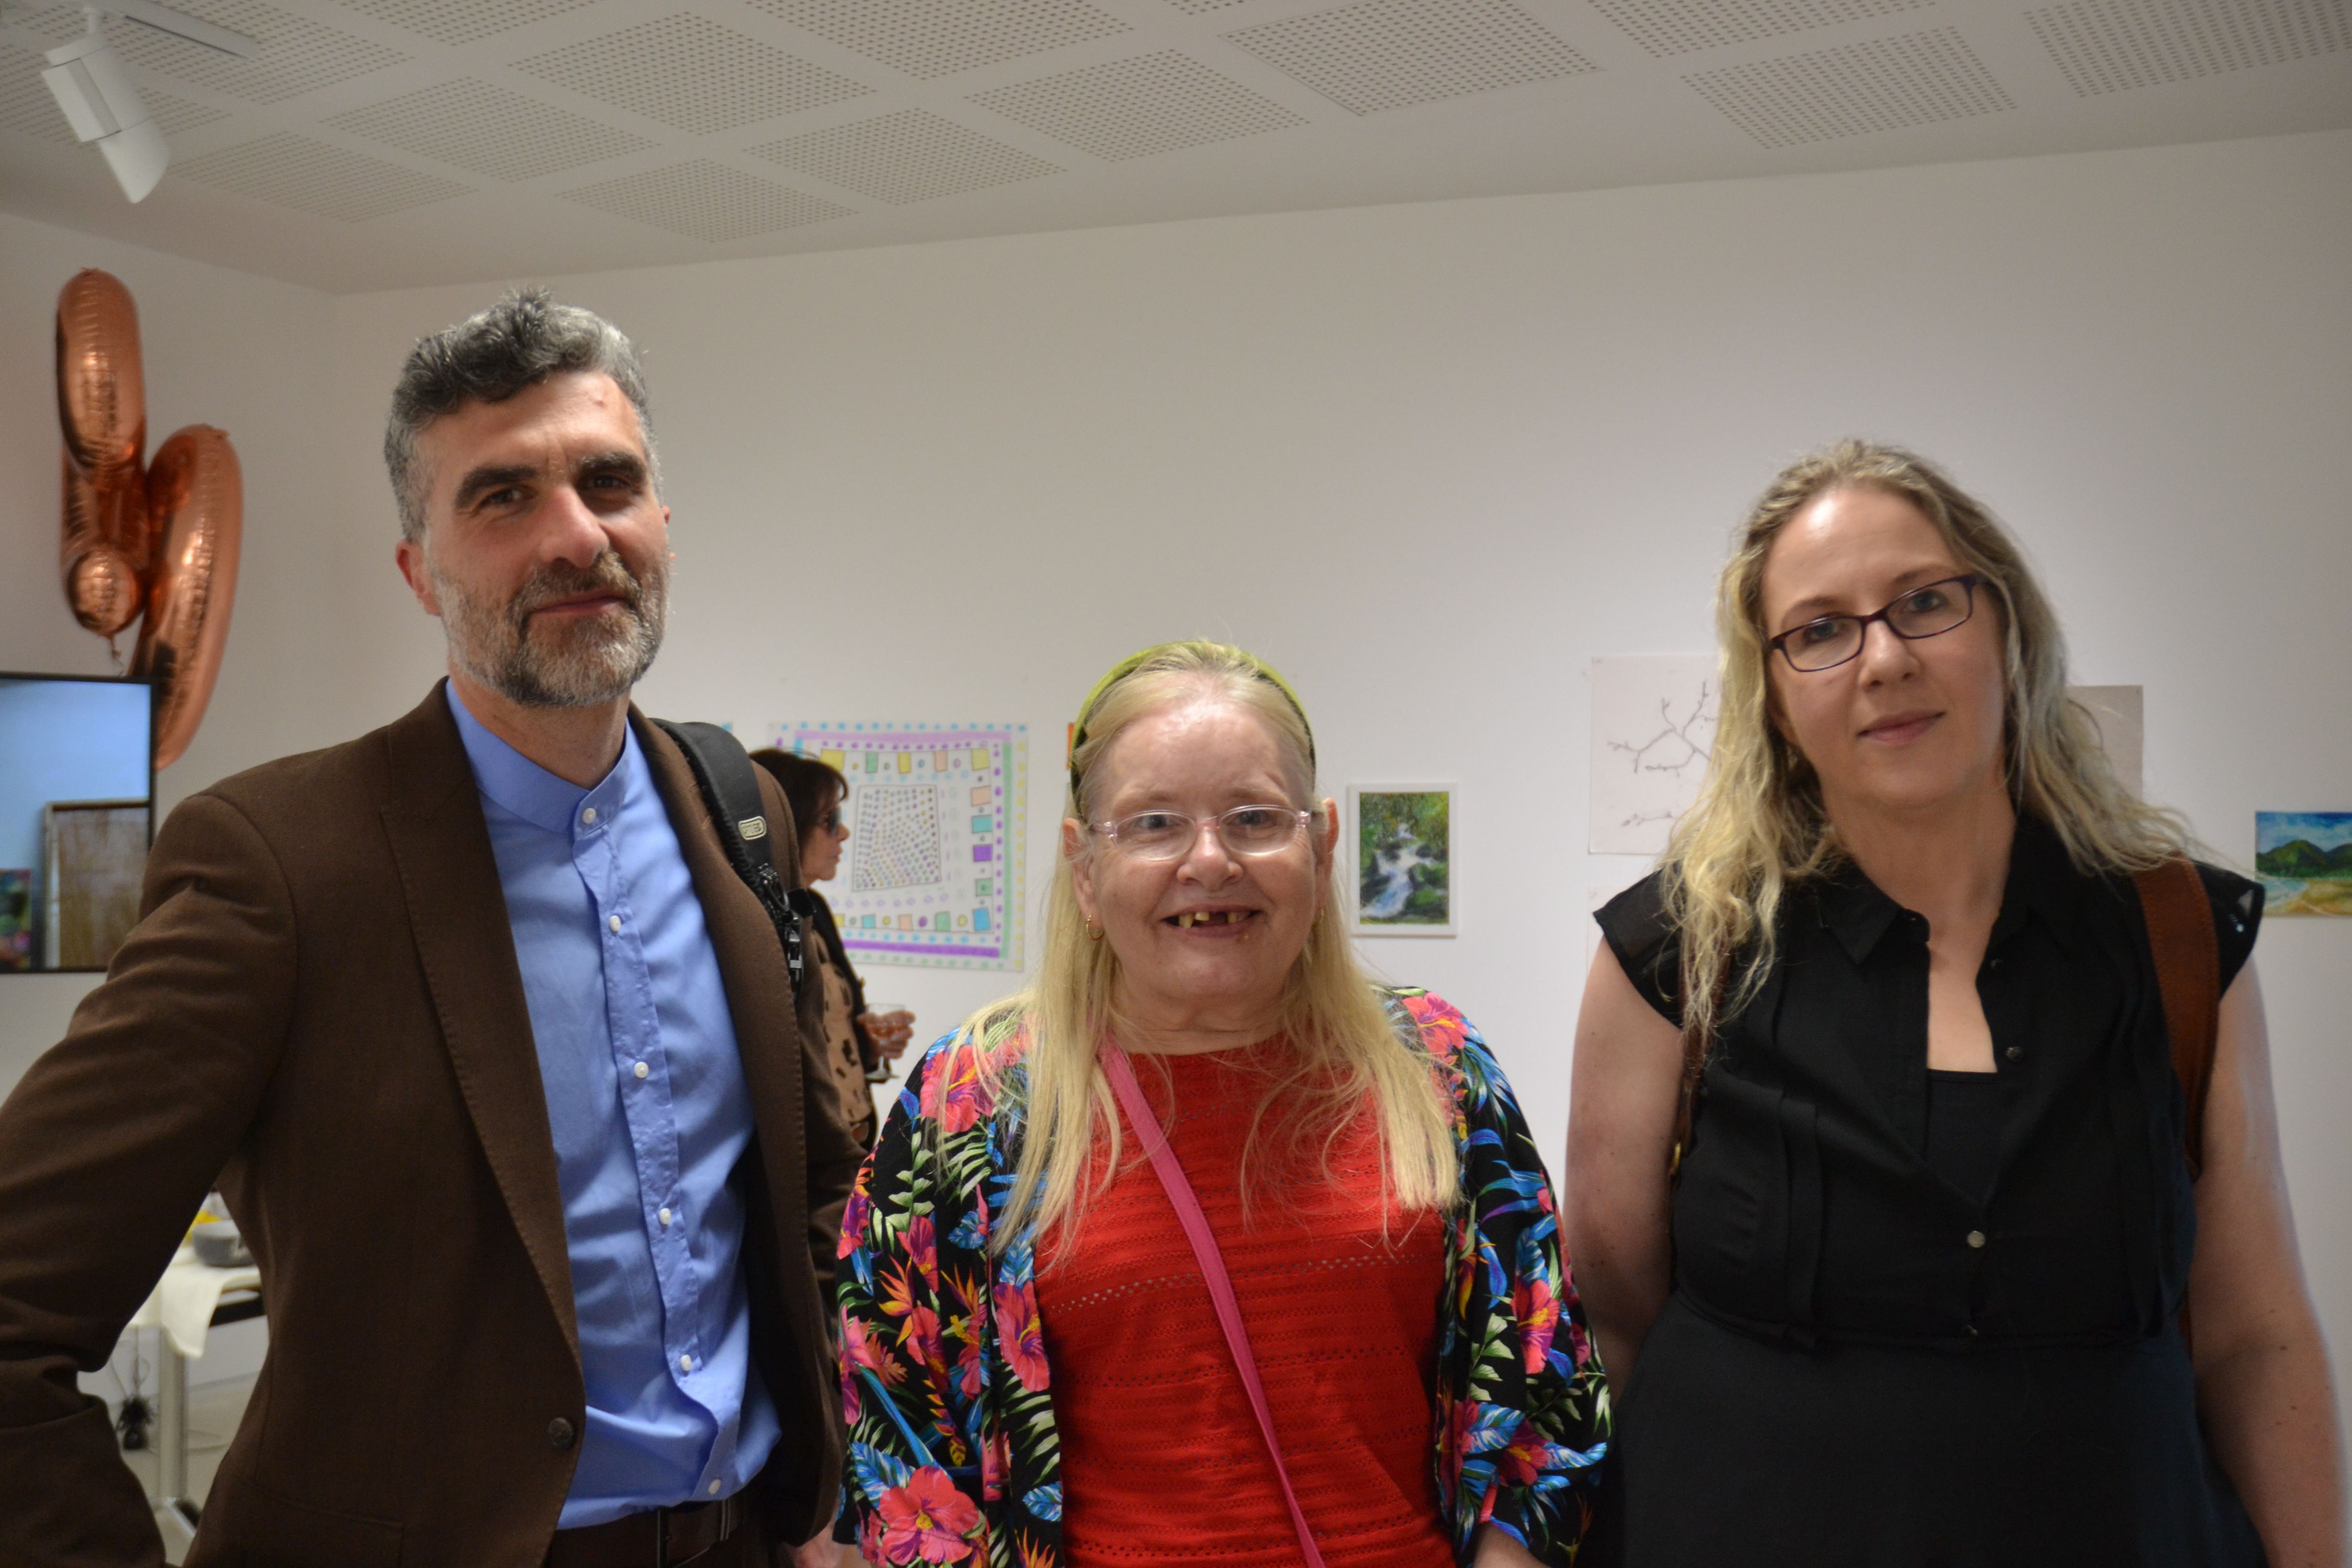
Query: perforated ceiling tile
column 1134, row 108
column 1386, row 54
column 2108, row 46
column 463, row 21
column 707, row 201
column 489, row 130
column 313, row 177
column 26, row 104
column 1679, row 26
column 694, row 74
column 1917, row 79
column 910, row 156
column 939, row 38
column 297, row 54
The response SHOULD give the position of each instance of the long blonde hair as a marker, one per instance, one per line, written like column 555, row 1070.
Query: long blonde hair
column 1344, row 1055
column 1760, row 824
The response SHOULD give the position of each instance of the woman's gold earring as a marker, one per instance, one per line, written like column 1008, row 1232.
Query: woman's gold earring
column 1094, row 933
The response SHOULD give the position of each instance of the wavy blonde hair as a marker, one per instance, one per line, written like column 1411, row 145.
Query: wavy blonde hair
column 1345, row 1053
column 1759, row 825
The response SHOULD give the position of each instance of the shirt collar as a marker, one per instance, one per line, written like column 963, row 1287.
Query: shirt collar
column 523, row 788
column 1854, row 911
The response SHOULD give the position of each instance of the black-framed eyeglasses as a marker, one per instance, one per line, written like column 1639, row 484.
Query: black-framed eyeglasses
column 1171, row 835
column 1929, row 610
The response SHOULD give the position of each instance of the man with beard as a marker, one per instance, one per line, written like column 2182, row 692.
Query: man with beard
column 495, row 1058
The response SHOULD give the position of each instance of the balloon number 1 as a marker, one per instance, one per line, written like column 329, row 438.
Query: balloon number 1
column 155, row 538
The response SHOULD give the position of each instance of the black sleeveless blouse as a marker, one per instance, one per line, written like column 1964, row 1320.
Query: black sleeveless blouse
column 1888, row 1342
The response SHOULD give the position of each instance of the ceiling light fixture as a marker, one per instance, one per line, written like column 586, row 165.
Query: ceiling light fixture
column 87, row 78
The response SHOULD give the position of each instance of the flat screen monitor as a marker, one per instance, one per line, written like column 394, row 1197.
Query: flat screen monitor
column 77, row 813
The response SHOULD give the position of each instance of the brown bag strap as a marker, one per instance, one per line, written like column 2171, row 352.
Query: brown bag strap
column 2188, row 977
column 1686, row 1099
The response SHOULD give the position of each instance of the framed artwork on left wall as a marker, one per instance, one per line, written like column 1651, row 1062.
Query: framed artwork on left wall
column 1405, row 882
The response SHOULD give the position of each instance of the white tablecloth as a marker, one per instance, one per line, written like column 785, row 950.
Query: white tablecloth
column 183, row 1302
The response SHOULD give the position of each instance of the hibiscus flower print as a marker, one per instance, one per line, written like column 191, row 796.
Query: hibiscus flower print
column 1538, row 1312
column 1021, row 1335
column 951, row 1094
column 1443, row 1029
column 861, row 1351
column 920, row 1247
column 925, row 1521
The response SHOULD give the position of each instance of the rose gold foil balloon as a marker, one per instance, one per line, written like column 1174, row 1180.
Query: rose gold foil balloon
column 197, row 494
column 102, row 578
column 101, row 387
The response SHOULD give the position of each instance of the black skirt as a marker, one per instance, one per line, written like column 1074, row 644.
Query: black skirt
column 1739, row 1454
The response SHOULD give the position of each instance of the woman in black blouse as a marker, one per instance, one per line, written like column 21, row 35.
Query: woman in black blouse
column 1912, row 1295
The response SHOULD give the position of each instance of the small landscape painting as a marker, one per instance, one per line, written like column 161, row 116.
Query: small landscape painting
column 1404, row 859
column 2304, row 859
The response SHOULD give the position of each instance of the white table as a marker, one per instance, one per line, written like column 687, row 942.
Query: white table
column 187, row 1304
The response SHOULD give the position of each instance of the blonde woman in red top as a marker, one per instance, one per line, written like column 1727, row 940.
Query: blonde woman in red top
column 1035, row 1371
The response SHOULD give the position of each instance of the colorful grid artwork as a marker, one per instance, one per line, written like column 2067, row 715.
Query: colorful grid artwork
column 901, row 829
column 932, row 874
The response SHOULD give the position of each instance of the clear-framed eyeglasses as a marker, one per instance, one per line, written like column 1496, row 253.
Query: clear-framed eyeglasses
column 1929, row 610
column 1162, row 836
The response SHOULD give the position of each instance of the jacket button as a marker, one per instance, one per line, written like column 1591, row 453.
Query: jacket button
column 559, row 1434
column 1976, row 1239
column 2015, row 1053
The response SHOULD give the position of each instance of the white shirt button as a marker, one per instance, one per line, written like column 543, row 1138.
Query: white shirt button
column 642, row 1069
column 613, row 923
column 589, row 815
column 686, row 1363
column 1976, row 1239
column 665, row 1217
column 714, row 1488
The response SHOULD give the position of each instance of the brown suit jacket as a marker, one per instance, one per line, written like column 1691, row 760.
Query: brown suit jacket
column 322, row 1010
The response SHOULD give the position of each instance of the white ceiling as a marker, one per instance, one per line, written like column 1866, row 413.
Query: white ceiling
column 383, row 144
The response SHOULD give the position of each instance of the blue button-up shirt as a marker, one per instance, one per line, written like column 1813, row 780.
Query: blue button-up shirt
column 646, row 1100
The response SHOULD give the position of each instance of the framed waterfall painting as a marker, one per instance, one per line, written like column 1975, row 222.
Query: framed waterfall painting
column 1404, row 859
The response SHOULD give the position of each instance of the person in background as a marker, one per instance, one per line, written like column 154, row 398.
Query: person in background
column 1033, row 1359
column 858, row 1045
column 494, row 1057
column 1914, row 1294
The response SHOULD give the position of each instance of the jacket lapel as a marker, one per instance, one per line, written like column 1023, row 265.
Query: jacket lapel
column 759, row 986
column 457, row 912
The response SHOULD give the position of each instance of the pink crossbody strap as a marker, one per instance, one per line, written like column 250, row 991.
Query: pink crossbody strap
column 1170, row 1171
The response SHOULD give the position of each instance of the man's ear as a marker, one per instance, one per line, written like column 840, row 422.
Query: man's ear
column 409, row 556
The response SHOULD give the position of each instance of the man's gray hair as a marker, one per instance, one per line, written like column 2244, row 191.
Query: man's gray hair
column 518, row 342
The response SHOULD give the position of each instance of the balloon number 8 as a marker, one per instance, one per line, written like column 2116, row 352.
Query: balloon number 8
column 155, row 538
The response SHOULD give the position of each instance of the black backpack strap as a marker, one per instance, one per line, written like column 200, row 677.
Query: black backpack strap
column 730, row 783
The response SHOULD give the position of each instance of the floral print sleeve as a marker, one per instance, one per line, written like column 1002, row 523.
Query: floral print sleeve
column 951, row 1451
column 953, row 1457
column 1523, row 1415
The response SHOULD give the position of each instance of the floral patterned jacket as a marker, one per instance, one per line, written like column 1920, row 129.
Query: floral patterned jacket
column 946, row 1383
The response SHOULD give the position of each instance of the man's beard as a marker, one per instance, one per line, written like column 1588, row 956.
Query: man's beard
column 561, row 661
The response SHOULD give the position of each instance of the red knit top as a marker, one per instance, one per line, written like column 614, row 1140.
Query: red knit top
column 1161, row 1460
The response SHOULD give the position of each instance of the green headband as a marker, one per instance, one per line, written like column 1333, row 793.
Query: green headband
column 1136, row 661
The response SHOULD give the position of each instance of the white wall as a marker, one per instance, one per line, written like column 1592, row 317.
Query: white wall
column 1431, row 461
